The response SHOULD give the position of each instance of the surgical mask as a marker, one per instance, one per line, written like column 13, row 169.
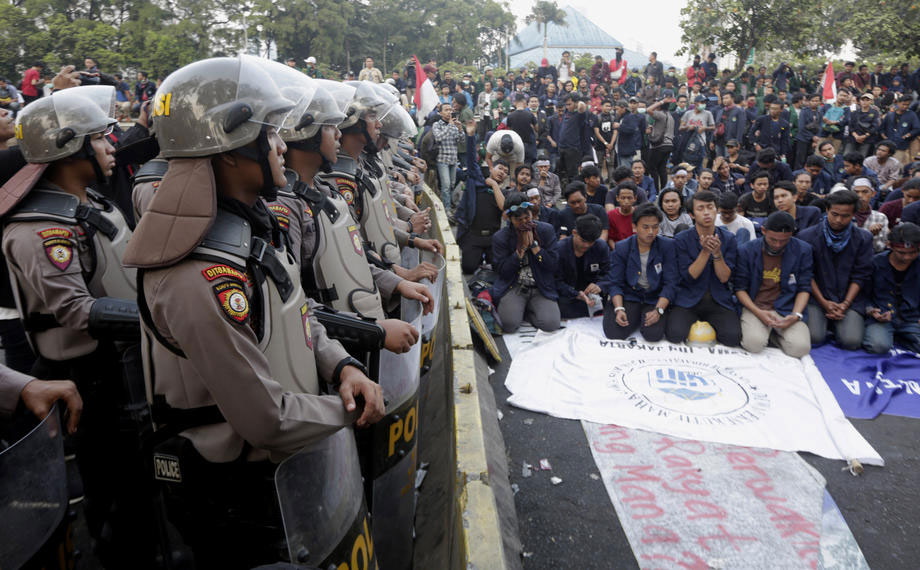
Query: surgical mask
column 700, row 106
column 641, row 110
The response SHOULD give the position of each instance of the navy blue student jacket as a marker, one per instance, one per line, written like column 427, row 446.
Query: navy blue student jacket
column 833, row 272
column 795, row 272
column 690, row 291
column 475, row 183
column 597, row 264
column 625, row 267
column 543, row 264
column 882, row 292
column 911, row 213
column 806, row 216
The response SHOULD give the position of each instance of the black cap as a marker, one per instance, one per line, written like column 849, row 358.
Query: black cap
column 732, row 142
column 905, row 234
column 701, row 99
column 780, row 221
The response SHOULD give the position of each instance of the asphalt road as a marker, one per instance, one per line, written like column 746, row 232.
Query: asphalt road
column 574, row 525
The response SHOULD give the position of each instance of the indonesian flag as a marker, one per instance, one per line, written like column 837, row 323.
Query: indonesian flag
column 426, row 98
column 829, row 84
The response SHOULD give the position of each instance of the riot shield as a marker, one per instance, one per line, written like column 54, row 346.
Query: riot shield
column 394, row 451
column 322, row 505
column 33, row 491
column 430, row 321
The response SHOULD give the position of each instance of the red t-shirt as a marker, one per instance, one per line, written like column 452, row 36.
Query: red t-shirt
column 620, row 225
column 27, row 87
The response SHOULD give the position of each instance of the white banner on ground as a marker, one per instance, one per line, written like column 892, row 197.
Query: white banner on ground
column 693, row 504
column 718, row 394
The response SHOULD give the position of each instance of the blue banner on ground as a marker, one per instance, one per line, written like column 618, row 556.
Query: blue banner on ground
column 867, row 385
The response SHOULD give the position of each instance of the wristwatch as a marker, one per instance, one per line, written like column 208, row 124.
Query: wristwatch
column 800, row 316
column 534, row 244
column 660, row 311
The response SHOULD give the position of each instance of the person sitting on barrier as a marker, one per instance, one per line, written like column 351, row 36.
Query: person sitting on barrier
column 706, row 257
column 730, row 219
column 842, row 268
column 526, row 264
column 576, row 206
column 642, row 280
column 772, row 279
column 894, row 298
column 584, row 259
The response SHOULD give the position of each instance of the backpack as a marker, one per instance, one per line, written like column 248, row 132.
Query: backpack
column 429, row 147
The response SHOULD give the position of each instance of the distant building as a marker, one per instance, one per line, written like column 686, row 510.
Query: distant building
column 579, row 36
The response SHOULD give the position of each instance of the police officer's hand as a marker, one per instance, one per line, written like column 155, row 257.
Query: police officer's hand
column 420, row 221
column 66, row 78
column 400, row 335
column 419, row 292
column 429, row 244
column 423, row 270
column 39, row 395
column 353, row 384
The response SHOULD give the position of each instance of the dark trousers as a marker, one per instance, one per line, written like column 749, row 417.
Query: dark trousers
column 569, row 159
column 572, row 308
column 724, row 321
column 802, row 151
column 635, row 314
column 473, row 248
column 658, row 165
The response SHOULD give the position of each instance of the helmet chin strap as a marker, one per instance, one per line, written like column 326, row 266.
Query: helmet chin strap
column 269, row 191
column 89, row 154
column 313, row 144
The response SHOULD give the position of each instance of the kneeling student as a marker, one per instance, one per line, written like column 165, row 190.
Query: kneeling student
column 894, row 295
column 772, row 282
column 642, row 280
column 584, row 260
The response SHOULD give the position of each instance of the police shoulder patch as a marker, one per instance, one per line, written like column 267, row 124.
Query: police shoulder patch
column 216, row 271
column 59, row 251
column 346, row 189
column 232, row 300
column 282, row 214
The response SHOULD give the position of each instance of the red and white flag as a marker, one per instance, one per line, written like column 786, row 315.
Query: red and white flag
column 829, row 84
column 426, row 98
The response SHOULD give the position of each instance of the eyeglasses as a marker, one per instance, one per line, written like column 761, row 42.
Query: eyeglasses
column 522, row 206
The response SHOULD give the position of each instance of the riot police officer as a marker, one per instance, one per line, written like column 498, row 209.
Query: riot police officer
column 63, row 244
column 235, row 356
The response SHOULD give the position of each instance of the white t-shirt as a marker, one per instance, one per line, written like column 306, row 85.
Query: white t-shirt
column 738, row 223
column 493, row 147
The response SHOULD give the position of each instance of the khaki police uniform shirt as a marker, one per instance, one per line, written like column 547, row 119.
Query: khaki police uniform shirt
column 11, row 385
column 198, row 308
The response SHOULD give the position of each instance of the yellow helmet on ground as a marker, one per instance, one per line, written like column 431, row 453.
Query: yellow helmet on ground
column 701, row 334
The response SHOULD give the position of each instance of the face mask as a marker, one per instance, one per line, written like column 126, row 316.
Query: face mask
column 700, row 107
column 641, row 111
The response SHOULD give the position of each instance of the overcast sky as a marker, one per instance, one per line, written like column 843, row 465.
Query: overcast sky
column 641, row 26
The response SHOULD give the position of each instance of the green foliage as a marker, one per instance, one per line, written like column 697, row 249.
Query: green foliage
column 887, row 28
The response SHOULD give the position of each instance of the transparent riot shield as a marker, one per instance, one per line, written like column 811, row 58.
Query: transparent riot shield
column 322, row 505
column 430, row 321
column 394, row 451
column 408, row 257
column 33, row 491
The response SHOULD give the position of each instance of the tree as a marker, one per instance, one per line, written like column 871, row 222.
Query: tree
column 889, row 27
column 737, row 26
column 545, row 13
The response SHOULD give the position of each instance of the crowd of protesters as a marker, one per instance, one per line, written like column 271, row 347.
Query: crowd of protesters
column 662, row 197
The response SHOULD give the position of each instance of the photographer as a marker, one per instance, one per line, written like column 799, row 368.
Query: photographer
column 526, row 263
column 448, row 133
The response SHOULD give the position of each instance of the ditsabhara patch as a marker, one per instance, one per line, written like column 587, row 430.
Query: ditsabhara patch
column 282, row 214
column 217, row 271
column 346, row 189
column 59, row 252
column 55, row 233
column 233, row 300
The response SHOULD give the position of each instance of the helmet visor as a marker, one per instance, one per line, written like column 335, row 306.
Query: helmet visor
column 85, row 110
column 253, row 85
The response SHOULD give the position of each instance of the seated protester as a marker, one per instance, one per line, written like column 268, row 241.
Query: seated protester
column 758, row 203
column 842, row 267
column 725, row 180
column 885, row 166
column 706, row 257
column 682, row 182
column 853, row 168
column 772, row 279
column 479, row 214
column 541, row 212
column 910, row 193
column 729, row 219
column 821, row 180
column 546, row 181
column 671, row 204
column 620, row 175
column 576, row 206
column 784, row 195
column 526, row 265
column 775, row 169
column 803, row 194
column 894, row 298
column 584, row 261
column 911, row 213
column 705, row 182
column 523, row 174
column 620, row 218
column 642, row 280
column 595, row 192
column 642, row 180
column 868, row 219
column 833, row 162
column 506, row 145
